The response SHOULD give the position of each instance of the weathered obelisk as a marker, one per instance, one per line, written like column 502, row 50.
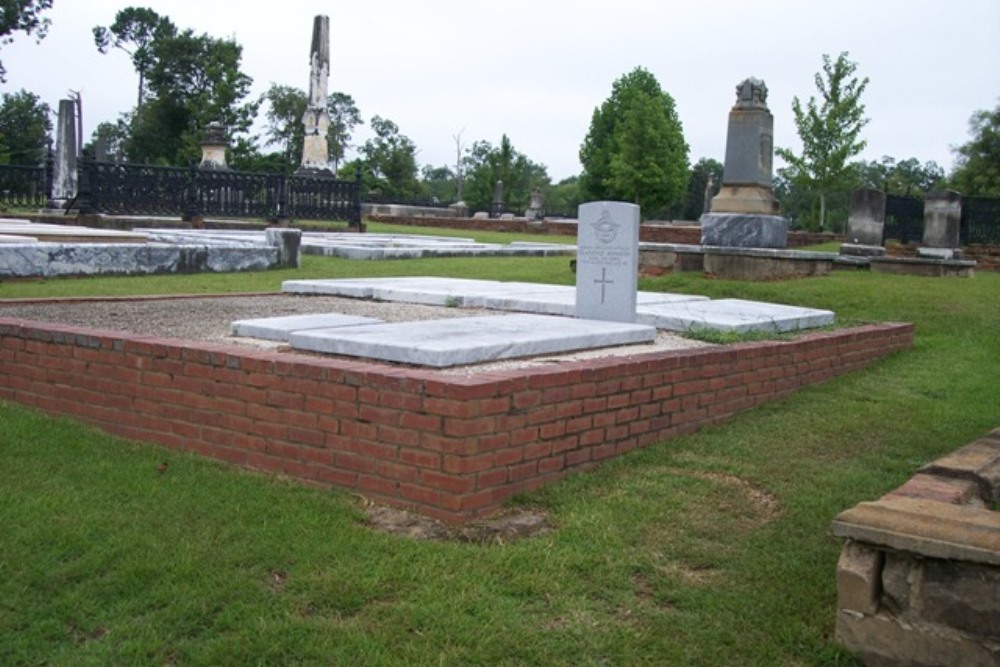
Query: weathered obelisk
column 64, row 176
column 745, row 213
column 316, row 119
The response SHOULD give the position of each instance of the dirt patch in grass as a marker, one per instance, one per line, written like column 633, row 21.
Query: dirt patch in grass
column 508, row 526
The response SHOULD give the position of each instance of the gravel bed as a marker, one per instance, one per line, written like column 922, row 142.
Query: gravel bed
column 209, row 319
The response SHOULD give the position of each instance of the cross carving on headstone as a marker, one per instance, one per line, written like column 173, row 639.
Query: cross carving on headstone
column 603, row 282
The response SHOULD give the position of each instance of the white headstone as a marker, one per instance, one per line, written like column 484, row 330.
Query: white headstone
column 607, row 261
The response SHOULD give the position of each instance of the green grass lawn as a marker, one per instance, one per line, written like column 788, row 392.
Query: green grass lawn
column 711, row 549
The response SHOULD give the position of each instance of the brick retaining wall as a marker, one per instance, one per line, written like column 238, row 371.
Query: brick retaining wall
column 451, row 446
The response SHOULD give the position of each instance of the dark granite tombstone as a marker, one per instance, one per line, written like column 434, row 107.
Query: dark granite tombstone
column 745, row 213
column 865, row 223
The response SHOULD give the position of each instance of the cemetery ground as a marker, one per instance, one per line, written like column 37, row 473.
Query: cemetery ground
column 708, row 549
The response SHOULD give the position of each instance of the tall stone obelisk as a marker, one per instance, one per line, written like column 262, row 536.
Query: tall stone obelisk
column 316, row 119
column 745, row 213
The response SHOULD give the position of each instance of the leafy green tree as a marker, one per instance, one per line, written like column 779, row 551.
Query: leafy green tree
column 285, row 107
column 134, row 31
column 484, row 165
column 907, row 177
column 22, row 16
column 563, row 198
column 977, row 170
column 830, row 132
column 390, row 162
column 438, row 183
column 114, row 135
column 25, row 128
column 635, row 149
column 194, row 80
column 344, row 117
column 701, row 172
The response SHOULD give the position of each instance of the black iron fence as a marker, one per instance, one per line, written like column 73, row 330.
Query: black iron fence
column 121, row 188
column 904, row 218
column 117, row 188
column 25, row 186
column 980, row 220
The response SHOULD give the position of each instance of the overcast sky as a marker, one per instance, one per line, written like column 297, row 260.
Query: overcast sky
column 536, row 69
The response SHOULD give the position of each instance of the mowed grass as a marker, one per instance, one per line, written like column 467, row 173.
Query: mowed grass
column 711, row 549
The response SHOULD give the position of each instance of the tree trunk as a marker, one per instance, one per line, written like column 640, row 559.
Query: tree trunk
column 822, row 211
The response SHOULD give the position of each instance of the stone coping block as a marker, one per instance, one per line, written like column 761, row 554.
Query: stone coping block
column 280, row 328
column 926, row 527
column 737, row 315
column 978, row 462
column 770, row 253
column 469, row 340
column 923, row 266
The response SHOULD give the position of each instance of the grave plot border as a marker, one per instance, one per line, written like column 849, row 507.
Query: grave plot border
column 454, row 447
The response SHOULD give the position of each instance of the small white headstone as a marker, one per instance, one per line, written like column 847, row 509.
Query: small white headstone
column 607, row 261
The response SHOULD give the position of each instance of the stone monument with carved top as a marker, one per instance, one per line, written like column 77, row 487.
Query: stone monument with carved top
column 213, row 147
column 316, row 119
column 745, row 213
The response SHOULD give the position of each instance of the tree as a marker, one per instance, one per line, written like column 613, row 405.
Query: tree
column 344, row 117
column 635, row 149
column 390, row 161
column 701, row 172
column 977, row 169
column 485, row 164
column 134, row 31
column 906, row 177
column 287, row 104
column 830, row 132
column 563, row 198
column 438, row 183
column 25, row 128
column 194, row 80
column 114, row 135
column 22, row 16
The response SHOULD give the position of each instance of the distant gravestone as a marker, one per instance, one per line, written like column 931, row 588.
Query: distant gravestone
column 607, row 261
column 865, row 223
column 213, row 147
column 942, row 219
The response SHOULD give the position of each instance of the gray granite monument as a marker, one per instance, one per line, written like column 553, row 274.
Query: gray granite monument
column 607, row 261
column 865, row 224
column 942, row 225
column 64, row 177
column 745, row 213
column 316, row 119
column 535, row 207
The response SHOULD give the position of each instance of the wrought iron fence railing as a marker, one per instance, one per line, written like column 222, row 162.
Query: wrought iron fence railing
column 980, row 220
column 904, row 218
column 122, row 188
column 24, row 186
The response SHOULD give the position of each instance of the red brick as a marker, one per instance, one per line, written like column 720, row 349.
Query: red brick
column 552, row 430
column 469, row 427
column 421, row 458
column 508, row 456
column 537, row 450
column 420, row 422
column 491, row 478
column 448, row 483
column 421, row 494
column 378, row 485
column 354, row 462
column 552, row 464
column 466, row 464
column 398, row 472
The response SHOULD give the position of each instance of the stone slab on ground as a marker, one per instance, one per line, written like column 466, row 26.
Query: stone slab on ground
column 736, row 315
column 403, row 246
column 495, row 294
column 470, row 340
column 280, row 328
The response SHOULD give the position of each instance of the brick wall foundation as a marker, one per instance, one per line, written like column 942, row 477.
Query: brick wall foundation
column 453, row 447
